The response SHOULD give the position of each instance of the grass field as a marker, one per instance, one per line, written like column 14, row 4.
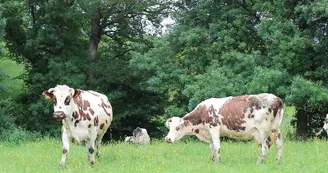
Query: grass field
column 184, row 156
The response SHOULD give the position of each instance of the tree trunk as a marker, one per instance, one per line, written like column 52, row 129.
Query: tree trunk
column 301, row 126
column 95, row 36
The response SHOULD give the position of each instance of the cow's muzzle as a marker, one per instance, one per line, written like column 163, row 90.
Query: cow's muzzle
column 59, row 114
column 168, row 140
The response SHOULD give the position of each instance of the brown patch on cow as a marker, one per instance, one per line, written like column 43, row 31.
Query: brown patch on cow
column 54, row 100
column 84, row 116
column 233, row 111
column 251, row 116
column 65, row 151
column 197, row 131
column 276, row 106
column 91, row 111
column 268, row 142
column 89, row 125
column 81, row 106
column 96, row 121
column 78, row 101
column 75, row 115
column 91, row 150
column 102, row 126
column 106, row 122
column 77, row 93
column 76, row 122
column 93, row 93
column 105, row 107
column 86, row 105
column 201, row 115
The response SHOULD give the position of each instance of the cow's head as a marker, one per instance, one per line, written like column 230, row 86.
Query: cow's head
column 177, row 128
column 137, row 132
column 62, row 96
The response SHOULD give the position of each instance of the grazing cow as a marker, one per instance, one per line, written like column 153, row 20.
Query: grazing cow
column 325, row 127
column 86, row 116
column 140, row 136
column 245, row 117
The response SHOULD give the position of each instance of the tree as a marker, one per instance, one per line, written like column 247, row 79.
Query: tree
column 84, row 45
column 222, row 48
column 2, row 29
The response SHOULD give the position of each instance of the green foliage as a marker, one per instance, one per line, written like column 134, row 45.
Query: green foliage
column 11, row 80
column 215, row 49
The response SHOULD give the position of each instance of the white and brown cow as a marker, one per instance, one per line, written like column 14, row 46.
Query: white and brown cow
column 86, row 116
column 325, row 127
column 245, row 117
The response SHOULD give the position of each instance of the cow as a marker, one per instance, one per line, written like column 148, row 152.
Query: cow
column 324, row 128
column 130, row 139
column 85, row 116
column 140, row 136
column 244, row 117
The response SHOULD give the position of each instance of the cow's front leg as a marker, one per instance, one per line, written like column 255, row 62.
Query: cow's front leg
column 65, row 140
column 215, row 134
column 212, row 151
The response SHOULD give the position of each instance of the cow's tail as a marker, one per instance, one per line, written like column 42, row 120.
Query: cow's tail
column 276, row 130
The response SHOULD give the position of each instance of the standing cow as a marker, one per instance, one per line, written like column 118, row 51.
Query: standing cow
column 86, row 116
column 325, row 127
column 245, row 117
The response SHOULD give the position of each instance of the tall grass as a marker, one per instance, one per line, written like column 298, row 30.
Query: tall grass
column 186, row 156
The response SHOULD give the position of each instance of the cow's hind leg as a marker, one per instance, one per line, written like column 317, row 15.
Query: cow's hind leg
column 264, row 150
column 98, row 142
column 90, row 146
column 279, row 146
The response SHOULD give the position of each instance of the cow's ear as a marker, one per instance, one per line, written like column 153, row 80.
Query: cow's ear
column 48, row 95
column 186, row 123
column 76, row 93
column 167, row 123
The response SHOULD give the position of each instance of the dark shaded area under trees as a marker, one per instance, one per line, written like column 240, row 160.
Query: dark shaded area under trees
column 215, row 48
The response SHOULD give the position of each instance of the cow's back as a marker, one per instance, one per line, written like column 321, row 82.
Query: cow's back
column 96, row 105
column 240, row 117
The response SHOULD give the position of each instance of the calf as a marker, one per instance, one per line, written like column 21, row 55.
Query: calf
column 325, row 127
column 245, row 117
column 86, row 116
column 140, row 136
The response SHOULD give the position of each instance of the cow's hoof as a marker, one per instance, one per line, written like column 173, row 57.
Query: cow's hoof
column 61, row 166
column 259, row 162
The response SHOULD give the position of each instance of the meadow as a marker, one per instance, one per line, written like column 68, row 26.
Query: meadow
column 190, row 156
column 184, row 156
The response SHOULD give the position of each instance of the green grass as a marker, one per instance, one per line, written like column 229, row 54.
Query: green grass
column 187, row 156
column 12, row 70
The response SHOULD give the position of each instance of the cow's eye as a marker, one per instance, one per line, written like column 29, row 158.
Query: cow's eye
column 67, row 100
column 177, row 128
column 55, row 100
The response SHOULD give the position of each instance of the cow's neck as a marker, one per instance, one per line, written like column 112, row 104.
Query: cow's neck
column 196, row 116
column 69, row 115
